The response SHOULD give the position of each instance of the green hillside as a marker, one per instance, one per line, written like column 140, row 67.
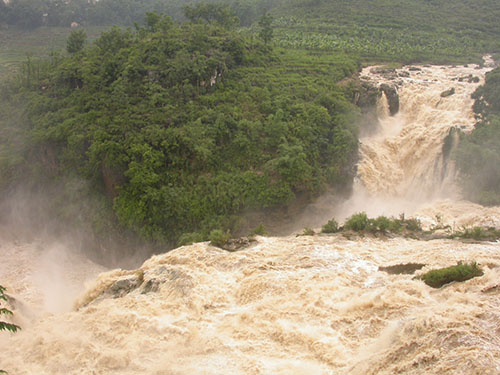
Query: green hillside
column 179, row 129
column 388, row 30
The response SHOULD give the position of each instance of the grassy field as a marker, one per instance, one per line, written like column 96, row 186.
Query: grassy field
column 16, row 44
column 407, row 31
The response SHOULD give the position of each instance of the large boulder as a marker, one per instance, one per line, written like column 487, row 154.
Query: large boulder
column 447, row 93
column 392, row 97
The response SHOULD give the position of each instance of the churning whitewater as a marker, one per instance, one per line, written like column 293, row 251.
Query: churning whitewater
column 291, row 305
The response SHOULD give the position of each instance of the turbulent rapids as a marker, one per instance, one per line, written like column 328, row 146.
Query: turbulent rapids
column 405, row 163
column 291, row 305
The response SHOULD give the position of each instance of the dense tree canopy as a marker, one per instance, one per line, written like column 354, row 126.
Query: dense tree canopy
column 182, row 128
column 478, row 154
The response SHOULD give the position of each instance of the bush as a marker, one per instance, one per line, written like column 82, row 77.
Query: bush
column 331, row 227
column 357, row 222
column 308, row 232
column 382, row 224
column 461, row 272
column 260, row 230
column 479, row 233
column 413, row 225
column 219, row 238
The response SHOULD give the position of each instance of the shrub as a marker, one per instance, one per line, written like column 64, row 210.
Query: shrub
column 479, row 233
column 357, row 222
column 219, row 238
column 260, row 230
column 382, row 224
column 308, row 232
column 331, row 227
column 413, row 225
column 461, row 272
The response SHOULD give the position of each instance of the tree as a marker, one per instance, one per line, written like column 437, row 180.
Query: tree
column 4, row 326
column 266, row 32
column 212, row 13
column 76, row 41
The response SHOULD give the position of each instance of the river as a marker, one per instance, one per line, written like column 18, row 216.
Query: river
column 286, row 305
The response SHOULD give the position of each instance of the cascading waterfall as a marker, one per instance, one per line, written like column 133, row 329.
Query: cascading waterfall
column 405, row 164
column 294, row 305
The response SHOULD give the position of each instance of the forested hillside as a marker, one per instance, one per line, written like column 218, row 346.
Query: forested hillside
column 30, row 14
column 171, row 130
column 178, row 129
column 439, row 31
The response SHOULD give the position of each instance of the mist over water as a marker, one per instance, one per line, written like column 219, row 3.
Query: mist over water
column 290, row 305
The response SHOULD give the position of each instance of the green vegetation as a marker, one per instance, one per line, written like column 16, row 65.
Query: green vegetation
column 219, row 238
column 17, row 44
column 393, row 30
column 30, row 14
column 478, row 234
column 308, row 232
column 461, row 272
column 478, row 153
column 266, row 31
column 358, row 222
column 259, row 230
column 402, row 269
column 330, row 227
column 76, row 41
column 178, row 129
column 361, row 223
column 5, row 326
column 170, row 131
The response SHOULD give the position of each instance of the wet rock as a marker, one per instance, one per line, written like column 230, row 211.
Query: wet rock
column 404, row 73
column 402, row 269
column 382, row 70
column 234, row 244
column 491, row 289
column 447, row 93
column 392, row 97
column 470, row 78
column 124, row 286
column 366, row 99
column 152, row 285
column 414, row 69
column 387, row 73
column 175, row 280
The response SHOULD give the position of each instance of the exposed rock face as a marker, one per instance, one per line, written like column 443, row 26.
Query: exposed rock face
column 124, row 286
column 447, row 93
column 112, row 179
column 470, row 78
column 387, row 73
column 238, row 243
column 366, row 99
column 392, row 97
